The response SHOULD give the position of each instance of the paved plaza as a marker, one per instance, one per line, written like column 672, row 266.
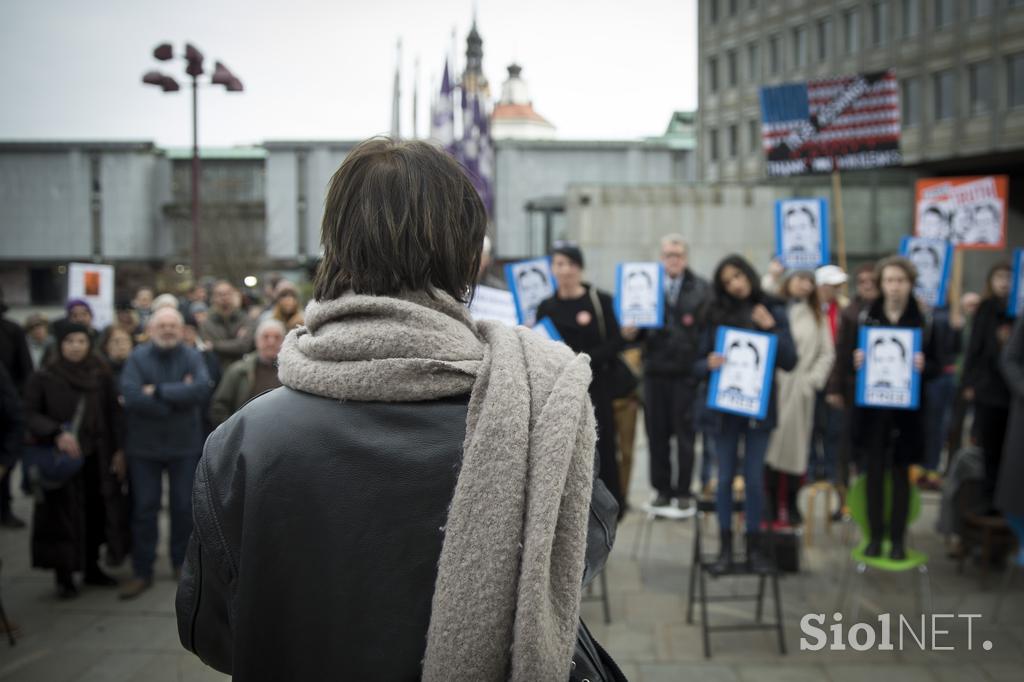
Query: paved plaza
column 98, row 638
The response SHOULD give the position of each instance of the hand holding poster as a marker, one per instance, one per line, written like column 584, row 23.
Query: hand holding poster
column 742, row 385
column 801, row 233
column 888, row 377
column 968, row 211
column 640, row 295
column 1016, row 306
column 933, row 259
column 531, row 282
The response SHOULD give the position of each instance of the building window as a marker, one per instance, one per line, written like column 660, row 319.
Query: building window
column 800, row 46
column 980, row 83
column 851, row 31
column 713, row 74
column 753, row 63
column 713, row 144
column 980, row 8
column 879, row 22
column 734, row 141
column 732, row 68
column 774, row 48
column 910, row 17
column 945, row 13
column 944, row 90
column 824, row 37
column 753, row 136
column 1015, row 79
column 713, row 11
column 910, row 100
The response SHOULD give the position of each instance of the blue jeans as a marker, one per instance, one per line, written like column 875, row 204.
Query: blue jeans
column 707, row 458
column 755, row 445
column 147, row 485
column 938, row 409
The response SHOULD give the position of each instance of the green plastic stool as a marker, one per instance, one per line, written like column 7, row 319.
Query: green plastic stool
column 857, row 502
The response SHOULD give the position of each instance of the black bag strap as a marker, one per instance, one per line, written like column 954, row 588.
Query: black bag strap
column 599, row 312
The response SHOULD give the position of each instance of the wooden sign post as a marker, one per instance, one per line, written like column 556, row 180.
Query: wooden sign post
column 837, row 202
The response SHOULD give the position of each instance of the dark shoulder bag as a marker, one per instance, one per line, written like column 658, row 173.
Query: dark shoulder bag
column 48, row 467
column 591, row 662
column 622, row 380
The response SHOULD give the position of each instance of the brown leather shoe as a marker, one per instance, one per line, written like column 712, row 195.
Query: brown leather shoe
column 134, row 587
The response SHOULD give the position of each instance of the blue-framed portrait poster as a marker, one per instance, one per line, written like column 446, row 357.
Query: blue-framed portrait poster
column 888, row 379
column 743, row 384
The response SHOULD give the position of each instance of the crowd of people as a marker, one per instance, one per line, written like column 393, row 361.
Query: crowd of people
column 813, row 429
column 448, row 486
column 130, row 402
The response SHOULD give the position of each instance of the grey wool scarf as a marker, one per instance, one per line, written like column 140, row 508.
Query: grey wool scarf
column 506, row 600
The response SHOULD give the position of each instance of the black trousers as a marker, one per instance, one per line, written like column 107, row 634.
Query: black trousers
column 878, row 457
column 668, row 411
column 990, row 425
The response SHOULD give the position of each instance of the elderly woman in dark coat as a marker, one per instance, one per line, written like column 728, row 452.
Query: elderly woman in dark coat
column 71, row 522
column 1011, row 471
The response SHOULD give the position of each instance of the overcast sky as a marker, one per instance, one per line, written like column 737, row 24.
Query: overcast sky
column 314, row 69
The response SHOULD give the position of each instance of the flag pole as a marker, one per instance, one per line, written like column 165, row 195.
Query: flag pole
column 837, row 201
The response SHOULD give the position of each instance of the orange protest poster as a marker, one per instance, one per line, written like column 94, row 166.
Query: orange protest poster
column 91, row 280
column 969, row 211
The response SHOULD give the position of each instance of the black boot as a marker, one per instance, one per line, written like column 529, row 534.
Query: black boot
column 65, row 585
column 759, row 559
column 723, row 564
column 899, row 549
column 874, row 547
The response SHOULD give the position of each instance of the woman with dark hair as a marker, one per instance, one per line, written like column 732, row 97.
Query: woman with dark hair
column 585, row 318
column 889, row 439
column 983, row 382
column 738, row 301
column 414, row 500
column 71, row 404
column 115, row 345
column 789, row 446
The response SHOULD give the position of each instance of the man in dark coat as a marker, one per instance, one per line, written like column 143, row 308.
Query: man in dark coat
column 670, row 387
column 228, row 329
column 1011, row 470
column 164, row 384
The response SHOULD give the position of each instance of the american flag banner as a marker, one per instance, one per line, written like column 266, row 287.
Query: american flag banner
column 842, row 123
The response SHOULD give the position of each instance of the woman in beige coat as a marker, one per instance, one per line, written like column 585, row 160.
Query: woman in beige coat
column 788, row 449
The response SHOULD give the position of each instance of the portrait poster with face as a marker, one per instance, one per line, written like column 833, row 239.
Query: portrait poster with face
column 968, row 211
column 933, row 259
column 888, row 378
column 640, row 295
column 530, row 282
column 95, row 285
column 489, row 303
column 801, row 233
column 1016, row 305
column 743, row 384
column 547, row 328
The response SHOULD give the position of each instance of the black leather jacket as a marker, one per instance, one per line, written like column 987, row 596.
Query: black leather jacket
column 318, row 529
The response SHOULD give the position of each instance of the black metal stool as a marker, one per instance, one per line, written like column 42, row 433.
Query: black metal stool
column 588, row 595
column 698, row 578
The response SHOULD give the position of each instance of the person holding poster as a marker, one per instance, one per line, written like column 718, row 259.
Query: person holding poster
column 983, row 382
column 585, row 319
column 889, row 438
column 670, row 386
column 737, row 301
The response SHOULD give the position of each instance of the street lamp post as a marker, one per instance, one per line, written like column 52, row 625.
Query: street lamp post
column 194, row 68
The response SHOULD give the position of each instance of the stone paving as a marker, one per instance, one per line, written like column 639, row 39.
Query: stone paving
column 97, row 637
